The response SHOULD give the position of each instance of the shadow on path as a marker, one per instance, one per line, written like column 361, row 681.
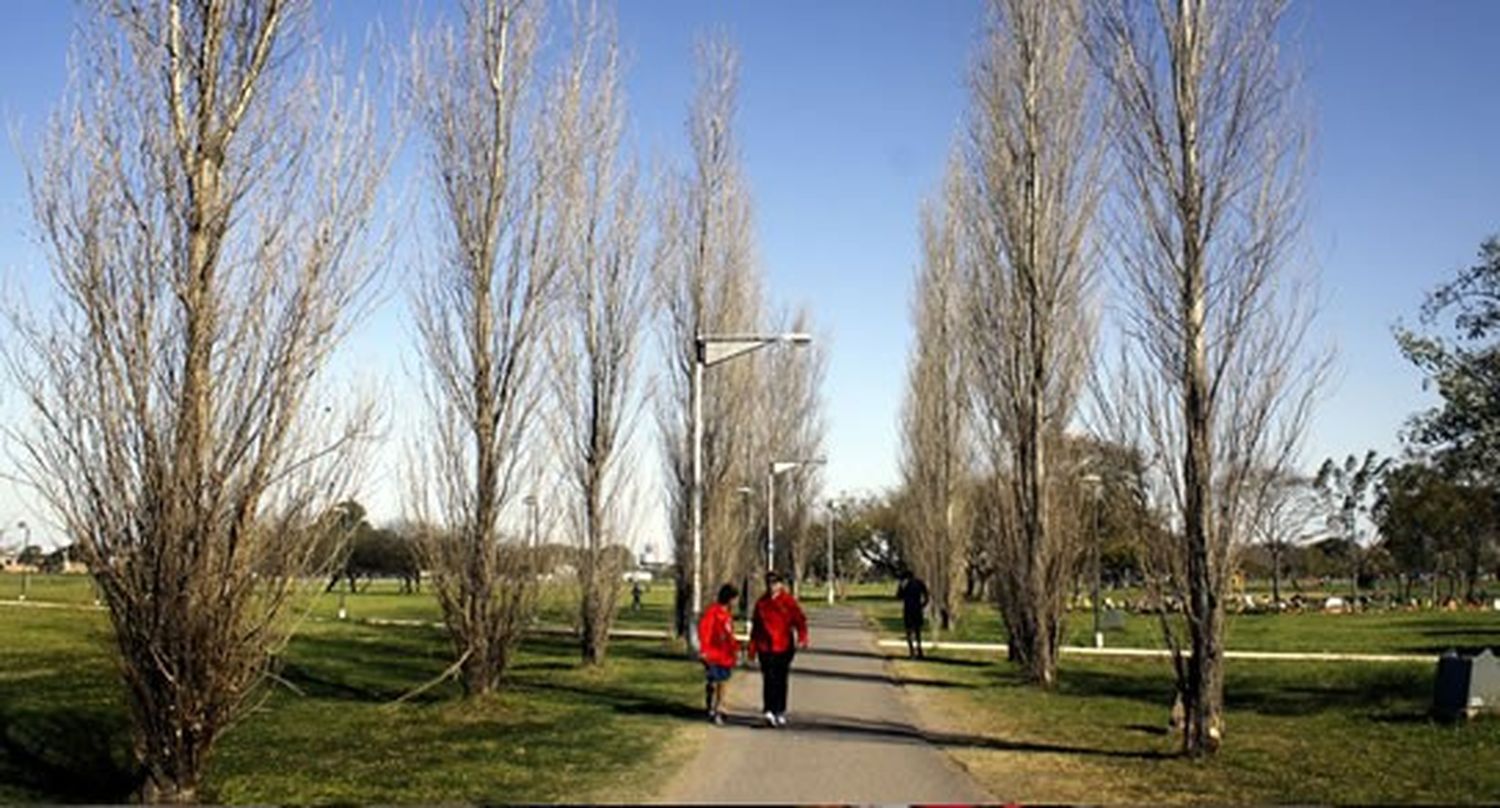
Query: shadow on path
column 823, row 673
column 903, row 733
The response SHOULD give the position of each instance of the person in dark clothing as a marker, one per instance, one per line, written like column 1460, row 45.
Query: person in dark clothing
column 912, row 592
column 778, row 628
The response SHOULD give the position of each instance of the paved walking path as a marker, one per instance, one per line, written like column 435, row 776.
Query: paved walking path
column 852, row 737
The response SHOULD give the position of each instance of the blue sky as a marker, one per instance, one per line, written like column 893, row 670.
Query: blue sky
column 849, row 109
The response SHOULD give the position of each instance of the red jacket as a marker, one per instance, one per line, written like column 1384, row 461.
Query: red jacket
column 775, row 618
column 717, row 644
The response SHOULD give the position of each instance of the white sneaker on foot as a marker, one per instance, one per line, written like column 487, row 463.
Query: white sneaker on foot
column 770, row 719
column 781, row 720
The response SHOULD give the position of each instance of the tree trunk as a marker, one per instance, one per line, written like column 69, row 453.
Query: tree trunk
column 183, row 790
column 1275, row 576
column 1204, row 703
column 475, row 674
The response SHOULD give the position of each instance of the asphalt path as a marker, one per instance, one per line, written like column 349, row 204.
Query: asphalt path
column 852, row 737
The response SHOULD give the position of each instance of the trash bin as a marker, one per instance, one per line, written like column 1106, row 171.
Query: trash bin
column 1466, row 686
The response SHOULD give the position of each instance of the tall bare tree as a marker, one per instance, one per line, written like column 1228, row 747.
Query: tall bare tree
column 936, row 450
column 204, row 200
column 603, row 305
column 480, row 313
column 1033, row 156
column 795, row 428
column 1216, row 382
column 706, row 283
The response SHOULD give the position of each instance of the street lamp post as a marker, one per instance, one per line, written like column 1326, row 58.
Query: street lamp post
column 1096, row 483
column 830, row 552
column 746, row 492
column 530, row 502
column 710, row 350
column 25, row 543
column 778, row 467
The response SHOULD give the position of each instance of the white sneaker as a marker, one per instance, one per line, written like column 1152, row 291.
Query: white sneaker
column 770, row 719
column 781, row 720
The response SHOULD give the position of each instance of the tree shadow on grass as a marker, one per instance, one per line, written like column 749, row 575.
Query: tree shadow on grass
column 952, row 662
column 620, row 700
column 346, row 668
column 66, row 755
column 1266, row 691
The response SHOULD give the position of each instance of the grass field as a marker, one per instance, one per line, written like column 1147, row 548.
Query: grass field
column 557, row 733
column 1296, row 733
column 1395, row 632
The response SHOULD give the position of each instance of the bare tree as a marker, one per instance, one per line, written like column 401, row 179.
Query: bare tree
column 795, row 428
column 204, row 200
column 480, row 313
column 706, row 283
column 936, row 458
column 1215, row 381
column 1285, row 516
column 1033, row 159
column 604, row 302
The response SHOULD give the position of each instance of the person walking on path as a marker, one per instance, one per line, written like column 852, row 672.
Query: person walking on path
column 719, row 649
column 777, row 618
column 912, row 592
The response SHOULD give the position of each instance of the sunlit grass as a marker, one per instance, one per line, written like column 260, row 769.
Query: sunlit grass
column 556, row 732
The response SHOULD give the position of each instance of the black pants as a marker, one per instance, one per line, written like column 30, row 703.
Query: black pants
column 914, row 621
column 775, row 669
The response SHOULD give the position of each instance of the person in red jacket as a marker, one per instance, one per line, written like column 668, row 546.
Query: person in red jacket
column 719, row 649
column 778, row 628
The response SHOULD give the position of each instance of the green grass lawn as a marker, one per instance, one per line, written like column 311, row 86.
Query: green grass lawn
column 557, row 733
column 1421, row 632
column 1296, row 732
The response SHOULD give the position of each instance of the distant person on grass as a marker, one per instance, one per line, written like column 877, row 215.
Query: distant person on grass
column 719, row 649
column 912, row 592
column 777, row 618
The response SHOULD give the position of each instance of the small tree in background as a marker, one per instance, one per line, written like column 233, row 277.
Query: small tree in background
column 1348, row 492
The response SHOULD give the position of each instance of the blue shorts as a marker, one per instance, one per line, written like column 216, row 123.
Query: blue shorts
column 716, row 673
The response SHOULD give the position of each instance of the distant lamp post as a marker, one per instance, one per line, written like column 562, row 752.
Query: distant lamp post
column 746, row 492
column 25, row 544
column 1096, row 485
column 778, row 467
column 530, row 502
column 831, row 579
column 710, row 350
